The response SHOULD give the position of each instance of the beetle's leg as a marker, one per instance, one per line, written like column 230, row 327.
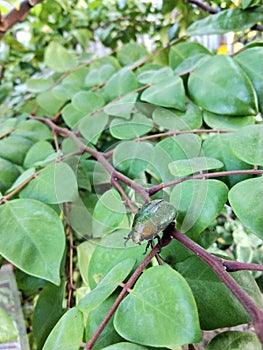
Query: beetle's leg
column 147, row 246
column 127, row 238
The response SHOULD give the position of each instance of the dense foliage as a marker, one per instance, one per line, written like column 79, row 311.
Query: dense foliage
column 86, row 141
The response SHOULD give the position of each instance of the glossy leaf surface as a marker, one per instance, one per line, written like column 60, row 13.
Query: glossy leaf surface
column 172, row 314
column 36, row 228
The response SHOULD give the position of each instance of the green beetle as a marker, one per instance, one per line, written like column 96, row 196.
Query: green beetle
column 152, row 218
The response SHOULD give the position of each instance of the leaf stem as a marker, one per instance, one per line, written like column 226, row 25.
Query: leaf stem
column 152, row 190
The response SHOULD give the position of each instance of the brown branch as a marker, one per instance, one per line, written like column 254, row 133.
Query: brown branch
column 121, row 296
column 203, row 6
column 154, row 189
column 219, row 267
column 116, row 175
column 16, row 16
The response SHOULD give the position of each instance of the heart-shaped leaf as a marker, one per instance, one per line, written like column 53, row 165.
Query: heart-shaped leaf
column 167, row 310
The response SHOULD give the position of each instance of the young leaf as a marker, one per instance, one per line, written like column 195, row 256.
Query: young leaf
column 198, row 203
column 169, row 316
column 210, row 87
column 32, row 238
column 250, row 210
column 67, row 333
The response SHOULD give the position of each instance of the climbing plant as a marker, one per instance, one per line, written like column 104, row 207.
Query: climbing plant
column 97, row 138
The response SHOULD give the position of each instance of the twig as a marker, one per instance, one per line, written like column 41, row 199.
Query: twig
column 125, row 290
column 16, row 16
column 218, row 266
column 154, row 189
column 203, row 6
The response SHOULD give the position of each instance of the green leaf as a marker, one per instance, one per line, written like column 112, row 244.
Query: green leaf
column 26, row 175
column 173, row 119
column 138, row 125
column 87, row 102
column 55, row 184
column 108, row 214
column 92, row 126
column 191, row 63
column 110, row 252
column 58, row 58
column 170, row 316
column 198, row 203
column 250, row 61
column 173, row 148
column 155, row 75
column 39, row 84
column 33, row 130
column 247, row 144
column 166, row 93
column 210, row 87
column 131, row 53
column 106, row 286
column 47, row 312
column 38, row 152
column 99, row 75
column 218, row 146
column 246, row 201
column 95, row 317
column 234, row 340
column 9, row 173
column 122, row 107
column 32, row 238
column 131, row 157
column 190, row 166
column 182, row 51
column 50, row 103
column 8, row 332
column 217, row 306
column 231, row 20
column 9, row 146
column 71, row 115
column 126, row 346
column 120, row 83
column 67, row 333
column 226, row 122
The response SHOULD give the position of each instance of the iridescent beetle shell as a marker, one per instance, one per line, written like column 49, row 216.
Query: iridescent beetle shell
column 152, row 218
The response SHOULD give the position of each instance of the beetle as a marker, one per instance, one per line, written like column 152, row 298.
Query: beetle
column 151, row 219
